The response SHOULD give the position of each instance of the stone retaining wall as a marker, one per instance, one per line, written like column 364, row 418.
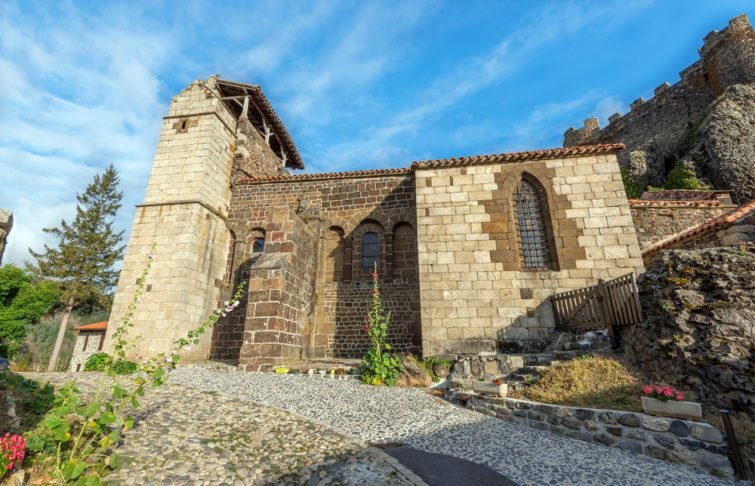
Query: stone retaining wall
column 695, row 444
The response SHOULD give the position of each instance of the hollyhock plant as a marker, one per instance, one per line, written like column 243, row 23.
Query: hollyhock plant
column 662, row 393
column 12, row 451
column 379, row 365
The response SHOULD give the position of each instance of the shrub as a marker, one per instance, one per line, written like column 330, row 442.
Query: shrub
column 124, row 367
column 379, row 366
column 683, row 177
column 98, row 362
column 633, row 188
column 430, row 362
column 104, row 362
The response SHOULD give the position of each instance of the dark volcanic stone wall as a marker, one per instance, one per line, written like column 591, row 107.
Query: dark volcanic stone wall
column 313, row 228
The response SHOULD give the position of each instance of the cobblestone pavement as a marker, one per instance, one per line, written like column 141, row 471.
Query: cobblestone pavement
column 415, row 418
column 190, row 436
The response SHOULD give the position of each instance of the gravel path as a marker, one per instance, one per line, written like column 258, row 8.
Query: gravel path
column 186, row 436
column 413, row 417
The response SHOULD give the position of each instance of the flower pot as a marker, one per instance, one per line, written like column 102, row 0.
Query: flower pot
column 488, row 388
column 672, row 408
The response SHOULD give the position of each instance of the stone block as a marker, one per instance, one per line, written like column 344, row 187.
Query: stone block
column 630, row 420
column 706, row 433
column 657, row 424
column 631, row 446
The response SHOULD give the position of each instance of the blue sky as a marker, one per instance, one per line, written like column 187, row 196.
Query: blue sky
column 359, row 84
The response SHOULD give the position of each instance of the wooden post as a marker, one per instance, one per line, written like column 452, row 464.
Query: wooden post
column 731, row 441
column 604, row 302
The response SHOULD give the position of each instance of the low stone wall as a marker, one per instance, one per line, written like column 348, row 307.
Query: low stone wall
column 695, row 444
column 483, row 365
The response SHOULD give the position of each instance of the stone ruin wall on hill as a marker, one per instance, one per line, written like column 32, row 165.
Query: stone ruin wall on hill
column 660, row 131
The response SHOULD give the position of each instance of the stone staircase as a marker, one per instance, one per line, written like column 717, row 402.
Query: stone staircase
column 518, row 370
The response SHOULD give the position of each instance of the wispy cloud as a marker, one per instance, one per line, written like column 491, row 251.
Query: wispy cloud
column 72, row 104
column 468, row 77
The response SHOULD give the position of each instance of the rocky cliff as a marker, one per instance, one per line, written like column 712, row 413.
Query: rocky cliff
column 699, row 329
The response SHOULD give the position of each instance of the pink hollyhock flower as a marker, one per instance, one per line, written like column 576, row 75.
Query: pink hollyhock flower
column 374, row 275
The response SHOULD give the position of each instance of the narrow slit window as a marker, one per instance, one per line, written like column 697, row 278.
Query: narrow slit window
column 370, row 250
column 531, row 214
column 258, row 245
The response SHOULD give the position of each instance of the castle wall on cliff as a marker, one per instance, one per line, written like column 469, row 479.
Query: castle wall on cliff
column 658, row 131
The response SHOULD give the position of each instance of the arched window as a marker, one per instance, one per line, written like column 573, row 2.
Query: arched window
column 531, row 218
column 258, row 245
column 370, row 250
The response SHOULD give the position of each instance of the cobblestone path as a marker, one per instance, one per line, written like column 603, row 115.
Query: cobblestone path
column 190, row 436
column 415, row 418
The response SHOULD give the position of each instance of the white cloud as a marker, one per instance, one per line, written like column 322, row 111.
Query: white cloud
column 469, row 77
column 79, row 93
column 608, row 106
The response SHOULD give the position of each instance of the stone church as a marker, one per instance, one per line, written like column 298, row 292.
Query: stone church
column 468, row 249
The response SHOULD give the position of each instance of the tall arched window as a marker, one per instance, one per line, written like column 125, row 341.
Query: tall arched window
column 370, row 250
column 531, row 218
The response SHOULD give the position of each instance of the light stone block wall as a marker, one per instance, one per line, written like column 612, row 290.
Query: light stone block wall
column 474, row 292
column 184, row 216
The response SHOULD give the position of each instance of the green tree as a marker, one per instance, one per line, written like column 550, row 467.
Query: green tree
column 87, row 251
column 22, row 303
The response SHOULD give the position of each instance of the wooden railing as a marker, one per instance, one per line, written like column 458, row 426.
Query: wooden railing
column 607, row 305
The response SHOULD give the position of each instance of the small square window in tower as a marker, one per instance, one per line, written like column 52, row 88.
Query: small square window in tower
column 531, row 214
column 370, row 250
column 258, row 245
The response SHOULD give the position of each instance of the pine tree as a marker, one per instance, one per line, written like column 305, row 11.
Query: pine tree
column 87, row 251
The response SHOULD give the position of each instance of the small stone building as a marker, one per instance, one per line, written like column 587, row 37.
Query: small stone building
column 89, row 340
column 468, row 249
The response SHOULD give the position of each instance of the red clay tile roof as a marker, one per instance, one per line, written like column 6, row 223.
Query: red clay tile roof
column 229, row 87
column 97, row 326
column 520, row 156
column 327, row 175
column 716, row 224
column 684, row 195
column 649, row 203
column 472, row 160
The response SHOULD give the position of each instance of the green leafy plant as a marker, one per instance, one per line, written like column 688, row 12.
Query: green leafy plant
column 98, row 362
column 632, row 187
column 379, row 365
column 683, row 177
column 79, row 435
column 430, row 362
column 104, row 362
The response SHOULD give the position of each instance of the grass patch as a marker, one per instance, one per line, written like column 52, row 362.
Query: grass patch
column 589, row 381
